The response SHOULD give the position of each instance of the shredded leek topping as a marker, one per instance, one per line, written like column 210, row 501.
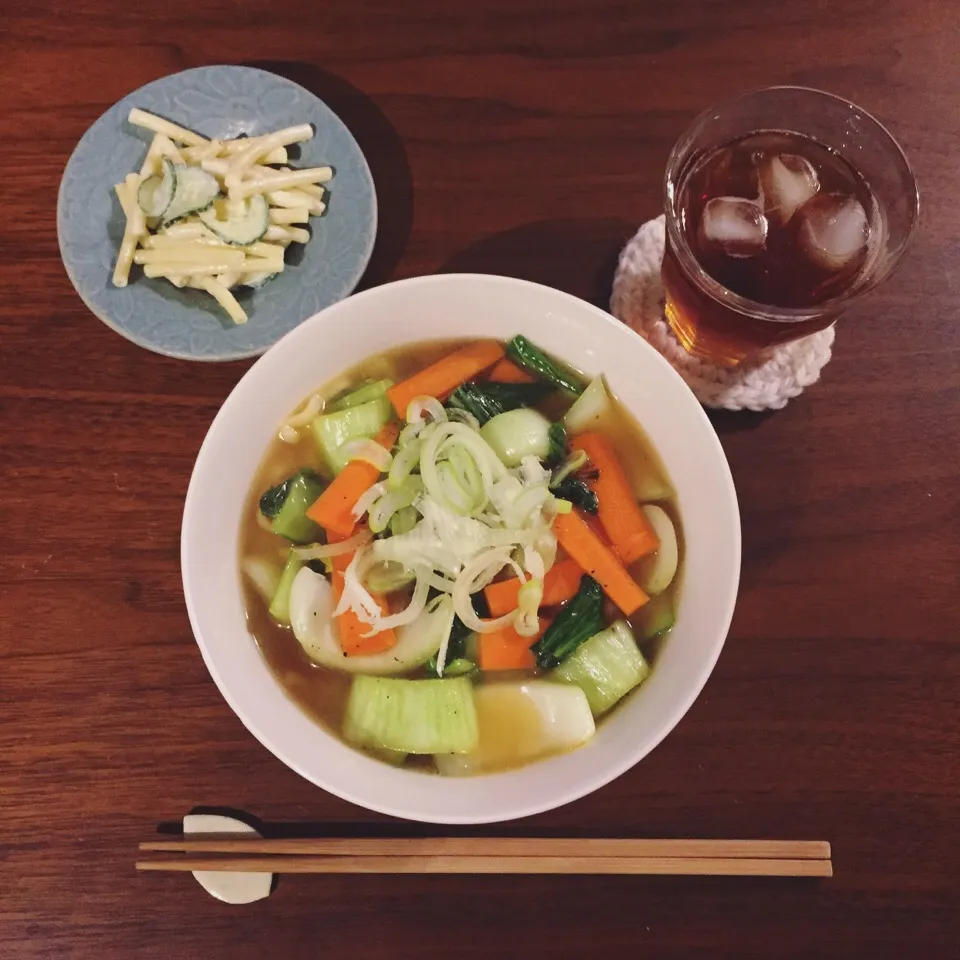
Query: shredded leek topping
column 462, row 518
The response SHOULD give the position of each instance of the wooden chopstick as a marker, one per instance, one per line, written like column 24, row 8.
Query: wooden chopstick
column 498, row 847
column 698, row 866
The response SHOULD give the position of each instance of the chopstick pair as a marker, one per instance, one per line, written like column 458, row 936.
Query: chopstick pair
column 466, row 855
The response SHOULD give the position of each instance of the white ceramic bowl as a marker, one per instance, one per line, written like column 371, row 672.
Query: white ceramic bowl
column 469, row 306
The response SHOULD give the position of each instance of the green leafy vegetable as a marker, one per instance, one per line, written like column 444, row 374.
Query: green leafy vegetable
column 274, row 498
column 485, row 401
column 579, row 620
column 531, row 358
column 558, row 443
column 578, row 493
column 287, row 503
column 460, row 667
column 456, row 647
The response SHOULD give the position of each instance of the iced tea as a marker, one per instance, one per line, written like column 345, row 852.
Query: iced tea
column 771, row 232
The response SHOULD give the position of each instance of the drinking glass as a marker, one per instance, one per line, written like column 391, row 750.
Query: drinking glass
column 722, row 326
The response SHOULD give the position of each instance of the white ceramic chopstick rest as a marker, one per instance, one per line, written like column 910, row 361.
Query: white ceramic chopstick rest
column 228, row 887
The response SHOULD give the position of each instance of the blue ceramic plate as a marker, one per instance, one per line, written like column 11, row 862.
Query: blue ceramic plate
column 222, row 102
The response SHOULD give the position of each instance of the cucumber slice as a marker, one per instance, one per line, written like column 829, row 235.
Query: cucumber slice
column 606, row 668
column 655, row 617
column 280, row 605
column 195, row 190
column 521, row 722
column 239, row 222
column 412, row 716
column 657, row 572
column 353, row 398
column 333, row 430
column 517, row 434
column 156, row 193
column 311, row 616
column 589, row 408
column 256, row 280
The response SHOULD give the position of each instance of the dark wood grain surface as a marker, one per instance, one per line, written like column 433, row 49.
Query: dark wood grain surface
column 525, row 138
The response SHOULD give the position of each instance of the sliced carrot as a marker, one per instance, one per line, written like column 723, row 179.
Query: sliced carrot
column 621, row 516
column 506, row 371
column 597, row 559
column 333, row 508
column 559, row 585
column 350, row 627
column 446, row 374
column 505, row 649
column 593, row 522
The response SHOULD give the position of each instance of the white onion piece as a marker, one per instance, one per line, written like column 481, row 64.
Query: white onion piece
column 387, row 505
column 479, row 569
column 463, row 416
column 407, row 457
column 306, row 413
column 421, row 408
column 355, row 596
column 264, row 576
column 410, row 432
column 321, row 551
column 435, row 581
column 444, row 615
column 369, row 451
column 413, row 610
column 571, row 465
column 367, row 499
column 533, row 472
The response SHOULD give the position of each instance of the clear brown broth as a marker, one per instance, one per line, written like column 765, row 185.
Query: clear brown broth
column 317, row 690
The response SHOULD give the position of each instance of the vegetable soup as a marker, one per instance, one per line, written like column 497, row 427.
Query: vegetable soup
column 460, row 557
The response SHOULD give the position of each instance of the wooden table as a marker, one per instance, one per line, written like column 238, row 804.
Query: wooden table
column 522, row 138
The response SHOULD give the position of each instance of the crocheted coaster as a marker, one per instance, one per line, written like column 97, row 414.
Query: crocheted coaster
column 764, row 383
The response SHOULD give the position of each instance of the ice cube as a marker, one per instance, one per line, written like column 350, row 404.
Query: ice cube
column 733, row 173
column 788, row 182
column 833, row 230
column 733, row 225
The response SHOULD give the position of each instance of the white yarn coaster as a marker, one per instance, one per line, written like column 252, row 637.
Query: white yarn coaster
column 765, row 383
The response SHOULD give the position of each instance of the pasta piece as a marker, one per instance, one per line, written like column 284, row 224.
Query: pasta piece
column 268, row 250
column 284, row 216
column 226, row 299
column 279, row 181
column 140, row 118
column 218, row 167
column 123, row 196
column 296, row 198
column 188, row 253
column 263, row 145
column 132, row 232
column 178, row 268
column 285, row 235
column 233, row 147
column 288, row 198
column 162, row 241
